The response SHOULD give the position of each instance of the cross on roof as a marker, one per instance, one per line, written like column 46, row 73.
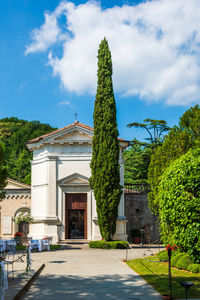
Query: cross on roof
column 75, row 115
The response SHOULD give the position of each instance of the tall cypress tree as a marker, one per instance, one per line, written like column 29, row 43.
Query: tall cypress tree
column 105, row 180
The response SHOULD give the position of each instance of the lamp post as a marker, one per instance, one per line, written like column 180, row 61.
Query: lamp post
column 187, row 285
column 170, row 276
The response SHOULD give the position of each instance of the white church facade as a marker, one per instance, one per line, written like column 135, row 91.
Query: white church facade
column 63, row 205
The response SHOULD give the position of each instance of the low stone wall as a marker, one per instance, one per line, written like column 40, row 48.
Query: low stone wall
column 139, row 216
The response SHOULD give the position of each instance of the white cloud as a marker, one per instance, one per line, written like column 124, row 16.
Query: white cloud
column 155, row 48
column 45, row 36
column 66, row 103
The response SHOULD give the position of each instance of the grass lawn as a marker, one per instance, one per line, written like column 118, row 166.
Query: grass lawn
column 156, row 274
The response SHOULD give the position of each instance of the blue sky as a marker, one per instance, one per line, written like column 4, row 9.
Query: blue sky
column 48, row 59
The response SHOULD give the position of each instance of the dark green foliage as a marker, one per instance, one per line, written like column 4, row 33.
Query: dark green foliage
column 136, row 161
column 13, row 134
column 105, row 180
column 179, row 194
column 179, row 140
column 183, row 262
column 137, row 156
column 3, row 172
column 108, row 245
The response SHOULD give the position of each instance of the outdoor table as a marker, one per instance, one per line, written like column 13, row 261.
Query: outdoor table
column 2, row 246
column 36, row 244
column 10, row 245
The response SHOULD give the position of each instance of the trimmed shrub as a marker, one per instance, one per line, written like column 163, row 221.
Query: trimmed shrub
column 163, row 255
column 108, row 245
column 179, row 193
column 183, row 262
column 175, row 259
column 195, row 268
column 55, row 247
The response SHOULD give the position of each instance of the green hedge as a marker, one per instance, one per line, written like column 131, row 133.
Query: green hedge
column 108, row 245
column 175, row 259
column 183, row 262
column 180, row 260
column 55, row 247
column 179, row 194
column 163, row 255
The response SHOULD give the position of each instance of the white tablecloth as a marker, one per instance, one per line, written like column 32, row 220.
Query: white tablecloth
column 2, row 245
column 3, row 280
column 36, row 244
column 45, row 244
column 10, row 245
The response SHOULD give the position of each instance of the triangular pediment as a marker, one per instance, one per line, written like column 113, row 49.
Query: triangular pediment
column 13, row 185
column 74, row 135
column 74, row 180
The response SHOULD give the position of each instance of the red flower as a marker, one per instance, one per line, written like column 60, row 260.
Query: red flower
column 173, row 247
column 18, row 234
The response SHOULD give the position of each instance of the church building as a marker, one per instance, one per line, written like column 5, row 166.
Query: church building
column 63, row 205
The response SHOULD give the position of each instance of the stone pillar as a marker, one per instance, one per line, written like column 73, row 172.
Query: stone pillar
column 52, row 188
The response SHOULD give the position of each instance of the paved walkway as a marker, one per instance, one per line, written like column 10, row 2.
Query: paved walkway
column 82, row 273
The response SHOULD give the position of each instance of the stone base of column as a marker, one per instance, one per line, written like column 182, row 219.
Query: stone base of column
column 120, row 234
column 41, row 230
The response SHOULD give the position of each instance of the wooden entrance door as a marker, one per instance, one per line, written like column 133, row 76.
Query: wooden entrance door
column 76, row 215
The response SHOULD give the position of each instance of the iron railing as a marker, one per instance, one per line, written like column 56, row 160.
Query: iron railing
column 136, row 188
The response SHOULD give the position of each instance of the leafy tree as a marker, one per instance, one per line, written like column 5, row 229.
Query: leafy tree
column 179, row 192
column 3, row 173
column 105, row 179
column 137, row 156
column 155, row 130
column 136, row 161
column 179, row 140
column 14, row 133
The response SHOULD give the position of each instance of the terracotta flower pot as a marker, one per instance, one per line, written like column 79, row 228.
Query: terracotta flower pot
column 136, row 240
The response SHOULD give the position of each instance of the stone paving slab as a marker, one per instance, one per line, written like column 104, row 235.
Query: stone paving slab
column 84, row 273
column 79, row 272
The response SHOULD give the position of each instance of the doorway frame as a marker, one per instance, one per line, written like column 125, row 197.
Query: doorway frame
column 75, row 205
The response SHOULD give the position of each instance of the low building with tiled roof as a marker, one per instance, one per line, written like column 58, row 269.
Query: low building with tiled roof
column 17, row 200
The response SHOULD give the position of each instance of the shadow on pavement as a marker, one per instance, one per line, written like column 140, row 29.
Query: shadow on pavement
column 53, row 287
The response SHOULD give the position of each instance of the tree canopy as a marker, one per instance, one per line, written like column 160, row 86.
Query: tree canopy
column 13, row 134
column 178, row 141
column 155, row 130
column 136, row 162
column 137, row 156
column 105, row 179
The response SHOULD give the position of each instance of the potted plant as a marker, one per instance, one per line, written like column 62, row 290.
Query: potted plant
column 24, row 217
column 18, row 238
column 136, row 235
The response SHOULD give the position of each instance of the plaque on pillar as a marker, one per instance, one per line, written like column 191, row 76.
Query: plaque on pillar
column 7, row 225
